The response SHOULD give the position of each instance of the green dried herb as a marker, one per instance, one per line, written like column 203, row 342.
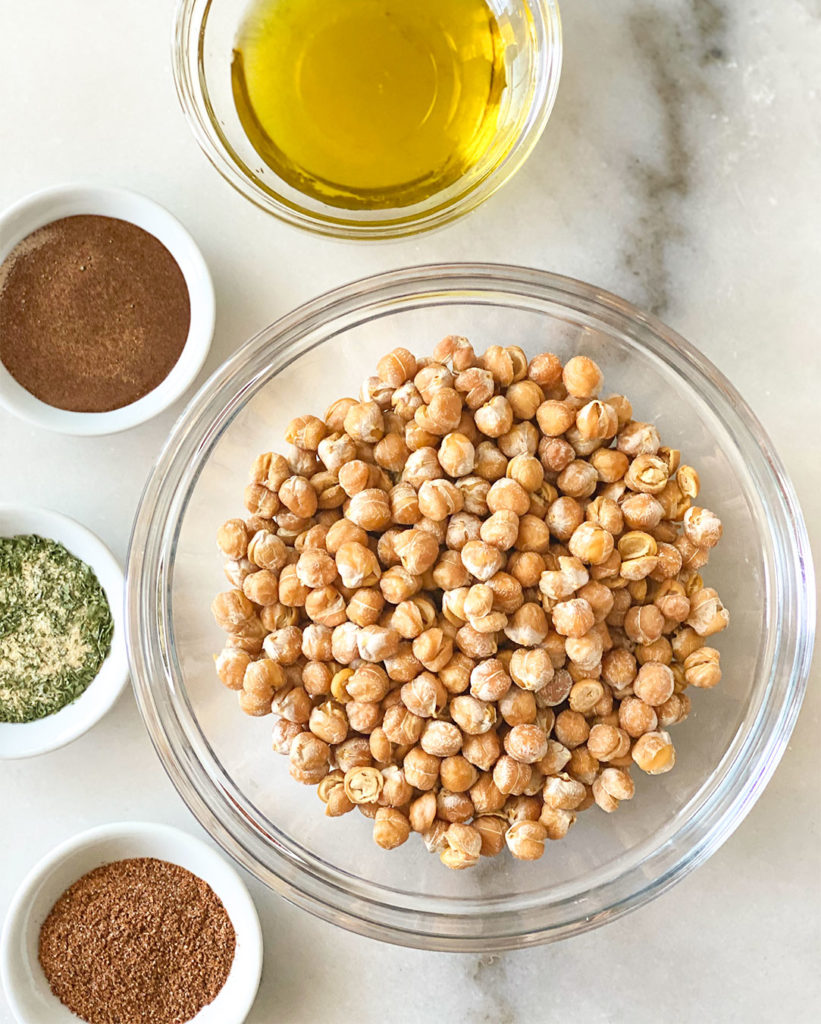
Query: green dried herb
column 55, row 627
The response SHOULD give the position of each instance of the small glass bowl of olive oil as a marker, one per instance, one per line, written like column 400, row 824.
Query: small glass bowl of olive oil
column 367, row 118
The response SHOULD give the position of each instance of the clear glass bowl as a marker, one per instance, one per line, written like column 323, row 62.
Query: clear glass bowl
column 221, row 761
column 203, row 42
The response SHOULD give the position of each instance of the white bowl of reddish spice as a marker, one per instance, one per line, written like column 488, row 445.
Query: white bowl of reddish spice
column 190, row 967
column 106, row 309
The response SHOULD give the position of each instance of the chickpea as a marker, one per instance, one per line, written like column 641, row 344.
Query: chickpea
column 573, row 618
column 489, row 681
column 545, row 369
column 417, row 550
column 597, row 421
column 439, row 499
column 329, row 722
column 608, row 742
column 463, row 845
column 490, row 464
column 326, row 606
column 481, row 560
column 455, row 676
column 457, row 774
column 654, row 683
column 293, row 703
column 533, row 535
column 232, row 538
column 353, row 753
column 527, row 743
column 526, row 567
column 423, row 812
column 262, row 678
column 443, row 739
column 521, row 439
column 647, row 474
column 421, row 768
column 654, row 753
column 582, row 377
column 474, row 498
column 531, row 669
column 424, row 695
column 578, row 479
column 612, row 786
column 365, row 606
column 260, row 501
column 636, row 438
column 305, row 432
column 269, row 469
column 298, row 496
column 308, row 758
column 585, row 695
column 702, row 669
column 500, row 530
column 369, row 509
column 231, row 665
column 391, row 828
column 456, row 350
column 472, row 715
column 674, row 710
column 397, row 585
column 433, row 649
column 482, row 750
column 396, row 790
column 492, row 831
column 557, row 823
column 232, row 610
column 518, row 707
column 564, row 516
column 397, row 367
column 707, row 614
column 644, row 624
column 511, row 776
column 525, row 839
column 555, row 417
column 457, row 455
column 591, row 544
column 495, row 417
column 401, row 726
column 571, row 729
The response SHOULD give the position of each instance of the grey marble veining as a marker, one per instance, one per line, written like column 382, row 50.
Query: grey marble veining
column 677, row 53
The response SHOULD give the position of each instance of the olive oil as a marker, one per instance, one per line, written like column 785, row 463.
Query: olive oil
column 369, row 104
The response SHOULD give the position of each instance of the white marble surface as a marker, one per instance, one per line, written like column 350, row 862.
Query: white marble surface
column 681, row 168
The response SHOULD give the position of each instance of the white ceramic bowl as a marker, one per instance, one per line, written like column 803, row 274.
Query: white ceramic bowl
column 41, row 208
column 28, row 738
column 25, row 984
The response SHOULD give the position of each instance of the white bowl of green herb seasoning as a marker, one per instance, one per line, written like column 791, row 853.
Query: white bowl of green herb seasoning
column 62, row 638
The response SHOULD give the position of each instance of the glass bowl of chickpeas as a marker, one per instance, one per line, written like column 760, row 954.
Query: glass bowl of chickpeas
column 440, row 537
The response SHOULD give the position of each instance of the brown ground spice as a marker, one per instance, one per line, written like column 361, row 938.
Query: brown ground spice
column 137, row 941
column 94, row 313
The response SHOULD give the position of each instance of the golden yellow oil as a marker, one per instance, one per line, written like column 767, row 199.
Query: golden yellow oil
column 369, row 104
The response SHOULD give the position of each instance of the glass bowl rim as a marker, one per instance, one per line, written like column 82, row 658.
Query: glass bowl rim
column 193, row 98
column 324, row 893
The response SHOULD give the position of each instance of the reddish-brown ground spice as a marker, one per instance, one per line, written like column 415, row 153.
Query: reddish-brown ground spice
column 94, row 313
column 137, row 942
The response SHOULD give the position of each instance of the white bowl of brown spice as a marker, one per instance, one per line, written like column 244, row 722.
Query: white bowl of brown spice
column 106, row 309
column 131, row 922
